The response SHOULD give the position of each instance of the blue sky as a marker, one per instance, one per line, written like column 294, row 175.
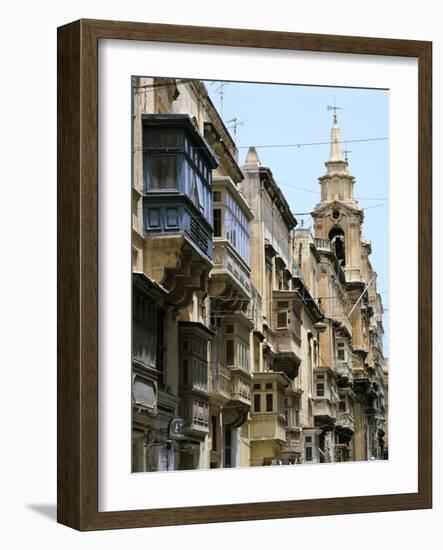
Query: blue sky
column 275, row 114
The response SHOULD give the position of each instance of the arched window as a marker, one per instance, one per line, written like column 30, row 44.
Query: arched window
column 337, row 238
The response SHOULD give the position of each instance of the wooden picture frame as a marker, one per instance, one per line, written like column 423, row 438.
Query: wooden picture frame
column 78, row 274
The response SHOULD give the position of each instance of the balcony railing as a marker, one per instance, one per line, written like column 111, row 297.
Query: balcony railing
column 293, row 442
column 344, row 371
column 227, row 261
column 288, row 353
column 324, row 244
column 345, row 421
column 323, row 407
column 196, row 415
column 287, row 341
column 240, row 389
column 220, row 381
column 268, row 426
column 196, row 378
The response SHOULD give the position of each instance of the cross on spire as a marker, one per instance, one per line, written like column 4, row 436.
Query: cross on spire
column 334, row 108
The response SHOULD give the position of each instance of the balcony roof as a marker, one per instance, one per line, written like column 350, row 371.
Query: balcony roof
column 186, row 123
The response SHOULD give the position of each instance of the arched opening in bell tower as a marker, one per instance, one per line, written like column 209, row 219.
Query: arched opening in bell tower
column 337, row 238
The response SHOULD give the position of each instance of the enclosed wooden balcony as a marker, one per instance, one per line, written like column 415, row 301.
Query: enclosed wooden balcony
column 324, row 412
column 286, row 328
column 288, row 353
column 293, row 448
column 268, row 419
column 194, row 377
column 219, row 384
column 344, row 374
column 230, row 277
column 195, row 412
column 345, row 422
column 237, row 409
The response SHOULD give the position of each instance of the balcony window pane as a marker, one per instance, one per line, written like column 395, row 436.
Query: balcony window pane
column 320, row 390
column 308, row 454
column 257, row 402
column 217, row 222
column 230, row 353
column 214, row 432
column 185, row 372
column 269, row 402
column 161, row 173
column 282, row 320
column 144, row 330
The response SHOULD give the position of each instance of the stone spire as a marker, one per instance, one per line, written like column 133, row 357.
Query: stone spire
column 337, row 162
column 252, row 157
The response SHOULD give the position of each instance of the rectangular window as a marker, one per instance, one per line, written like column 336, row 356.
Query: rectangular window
column 342, row 406
column 228, row 448
column 144, row 334
column 172, row 217
column 229, row 353
column 214, row 432
column 341, row 351
column 185, row 372
column 320, row 390
column 269, row 402
column 308, row 439
column 282, row 319
column 308, row 454
column 161, row 347
column 257, row 402
column 217, row 222
column 269, row 386
column 217, row 196
column 161, row 173
column 153, row 217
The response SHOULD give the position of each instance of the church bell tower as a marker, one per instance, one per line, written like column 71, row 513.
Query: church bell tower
column 338, row 217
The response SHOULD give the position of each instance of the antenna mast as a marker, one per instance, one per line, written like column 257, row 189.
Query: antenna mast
column 221, row 91
column 234, row 124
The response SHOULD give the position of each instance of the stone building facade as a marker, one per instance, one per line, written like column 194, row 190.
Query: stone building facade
column 255, row 342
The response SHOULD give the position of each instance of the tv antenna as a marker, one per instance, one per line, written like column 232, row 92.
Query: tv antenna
column 234, row 124
column 347, row 151
column 221, row 91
